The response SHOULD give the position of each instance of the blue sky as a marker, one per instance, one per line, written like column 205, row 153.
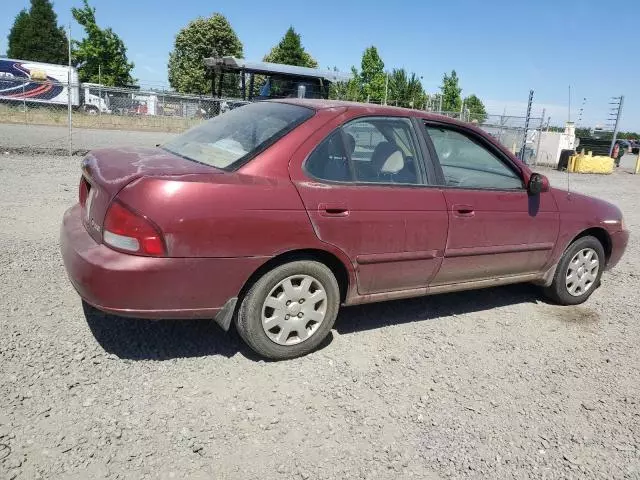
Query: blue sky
column 500, row 49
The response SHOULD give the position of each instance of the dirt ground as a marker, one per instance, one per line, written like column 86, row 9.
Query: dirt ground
column 487, row 384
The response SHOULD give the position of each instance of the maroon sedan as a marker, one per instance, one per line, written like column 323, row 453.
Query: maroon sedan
column 276, row 213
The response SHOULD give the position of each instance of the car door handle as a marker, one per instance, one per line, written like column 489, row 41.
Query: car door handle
column 463, row 210
column 333, row 210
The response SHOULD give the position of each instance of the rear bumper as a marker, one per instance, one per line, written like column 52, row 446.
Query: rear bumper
column 619, row 242
column 146, row 287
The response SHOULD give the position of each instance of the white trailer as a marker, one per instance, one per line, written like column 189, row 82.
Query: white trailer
column 23, row 81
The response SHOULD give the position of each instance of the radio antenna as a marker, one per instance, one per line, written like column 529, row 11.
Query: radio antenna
column 565, row 131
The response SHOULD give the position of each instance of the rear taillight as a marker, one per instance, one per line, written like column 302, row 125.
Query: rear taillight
column 127, row 231
column 83, row 191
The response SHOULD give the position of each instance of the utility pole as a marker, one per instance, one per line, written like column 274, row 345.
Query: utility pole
column 617, row 108
column 100, row 90
column 580, row 112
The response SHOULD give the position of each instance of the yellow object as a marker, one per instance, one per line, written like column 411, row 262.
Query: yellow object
column 582, row 163
column 38, row 75
column 637, row 170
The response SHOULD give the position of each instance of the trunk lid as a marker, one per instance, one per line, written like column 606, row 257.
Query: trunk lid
column 106, row 171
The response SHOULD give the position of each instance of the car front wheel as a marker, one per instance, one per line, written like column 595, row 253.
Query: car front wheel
column 578, row 272
column 289, row 310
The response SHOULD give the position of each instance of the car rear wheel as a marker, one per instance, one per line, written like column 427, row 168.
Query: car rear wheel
column 289, row 310
column 578, row 273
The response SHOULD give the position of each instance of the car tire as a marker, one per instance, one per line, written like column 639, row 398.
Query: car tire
column 575, row 278
column 290, row 310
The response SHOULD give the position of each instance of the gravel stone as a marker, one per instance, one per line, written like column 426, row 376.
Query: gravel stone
column 494, row 383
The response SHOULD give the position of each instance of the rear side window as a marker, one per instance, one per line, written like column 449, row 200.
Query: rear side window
column 329, row 161
column 467, row 164
column 370, row 150
column 229, row 140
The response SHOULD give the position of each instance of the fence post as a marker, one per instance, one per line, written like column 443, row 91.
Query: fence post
column 99, row 94
column 69, row 92
column 24, row 103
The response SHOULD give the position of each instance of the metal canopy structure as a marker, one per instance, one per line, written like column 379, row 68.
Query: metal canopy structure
column 233, row 64
column 221, row 65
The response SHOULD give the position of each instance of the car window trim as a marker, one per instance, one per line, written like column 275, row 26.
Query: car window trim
column 421, row 170
column 483, row 143
column 433, row 172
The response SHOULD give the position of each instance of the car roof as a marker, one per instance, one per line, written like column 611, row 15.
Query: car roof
column 368, row 109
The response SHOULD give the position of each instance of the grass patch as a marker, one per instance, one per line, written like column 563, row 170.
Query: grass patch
column 58, row 116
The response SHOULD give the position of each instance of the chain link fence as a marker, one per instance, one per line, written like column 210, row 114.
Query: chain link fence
column 95, row 107
column 83, row 106
column 516, row 133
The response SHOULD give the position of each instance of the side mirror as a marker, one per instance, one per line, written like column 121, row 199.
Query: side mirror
column 537, row 184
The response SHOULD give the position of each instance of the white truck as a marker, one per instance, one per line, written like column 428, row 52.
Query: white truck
column 26, row 82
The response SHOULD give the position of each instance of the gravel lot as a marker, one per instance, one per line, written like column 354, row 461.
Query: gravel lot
column 494, row 383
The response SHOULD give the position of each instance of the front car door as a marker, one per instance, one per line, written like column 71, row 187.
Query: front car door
column 366, row 189
column 496, row 229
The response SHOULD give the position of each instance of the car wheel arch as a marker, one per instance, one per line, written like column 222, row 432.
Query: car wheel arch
column 344, row 275
column 601, row 235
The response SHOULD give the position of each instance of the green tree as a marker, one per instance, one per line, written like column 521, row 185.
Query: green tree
column 17, row 34
column 202, row 38
column 36, row 36
column 350, row 90
column 372, row 75
column 405, row 91
column 476, row 108
column 451, row 99
column 101, row 54
column 583, row 132
column 291, row 52
column 398, row 88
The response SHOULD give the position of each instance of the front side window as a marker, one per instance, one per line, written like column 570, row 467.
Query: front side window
column 233, row 137
column 467, row 164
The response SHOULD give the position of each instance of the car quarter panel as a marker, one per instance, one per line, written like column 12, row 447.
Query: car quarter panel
column 228, row 215
column 149, row 286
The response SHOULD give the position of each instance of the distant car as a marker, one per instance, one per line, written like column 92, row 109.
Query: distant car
column 276, row 213
column 635, row 147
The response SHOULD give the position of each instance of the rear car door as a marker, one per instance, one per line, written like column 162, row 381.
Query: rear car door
column 366, row 189
column 496, row 228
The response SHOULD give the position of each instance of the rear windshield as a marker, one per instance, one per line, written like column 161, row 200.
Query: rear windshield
column 229, row 140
